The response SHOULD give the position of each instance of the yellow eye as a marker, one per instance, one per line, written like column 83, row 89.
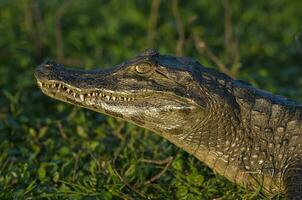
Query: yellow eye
column 143, row 68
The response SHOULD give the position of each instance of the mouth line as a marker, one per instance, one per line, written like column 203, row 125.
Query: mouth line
column 71, row 92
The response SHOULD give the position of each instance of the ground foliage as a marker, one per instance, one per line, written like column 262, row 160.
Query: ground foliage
column 51, row 150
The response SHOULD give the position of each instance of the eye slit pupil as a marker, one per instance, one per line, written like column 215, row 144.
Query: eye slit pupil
column 143, row 68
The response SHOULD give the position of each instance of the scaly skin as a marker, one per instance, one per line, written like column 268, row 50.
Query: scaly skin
column 247, row 135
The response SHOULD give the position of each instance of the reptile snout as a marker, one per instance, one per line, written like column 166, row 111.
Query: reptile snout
column 46, row 69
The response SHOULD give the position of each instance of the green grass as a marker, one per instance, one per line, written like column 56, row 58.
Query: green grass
column 51, row 150
column 75, row 154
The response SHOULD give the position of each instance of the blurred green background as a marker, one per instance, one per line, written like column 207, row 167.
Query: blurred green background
column 51, row 150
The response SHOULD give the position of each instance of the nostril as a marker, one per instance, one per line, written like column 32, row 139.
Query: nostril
column 47, row 66
column 45, row 69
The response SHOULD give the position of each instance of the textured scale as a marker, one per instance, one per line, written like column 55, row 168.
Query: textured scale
column 251, row 137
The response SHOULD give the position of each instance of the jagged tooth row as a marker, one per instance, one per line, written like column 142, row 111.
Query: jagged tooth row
column 84, row 96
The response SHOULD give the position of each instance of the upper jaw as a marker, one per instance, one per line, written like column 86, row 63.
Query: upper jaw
column 71, row 94
column 75, row 85
column 57, row 89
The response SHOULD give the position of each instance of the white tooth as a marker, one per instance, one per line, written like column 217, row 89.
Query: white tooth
column 39, row 83
column 82, row 97
column 74, row 94
column 113, row 98
column 93, row 94
column 108, row 97
column 68, row 90
column 53, row 85
column 88, row 94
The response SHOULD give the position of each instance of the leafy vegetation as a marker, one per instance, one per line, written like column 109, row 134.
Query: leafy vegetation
column 51, row 150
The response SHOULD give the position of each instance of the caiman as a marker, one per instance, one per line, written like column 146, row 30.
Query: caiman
column 249, row 136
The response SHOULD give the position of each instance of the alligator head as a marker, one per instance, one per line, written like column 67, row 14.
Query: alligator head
column 151, row 90
column 206, row 113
